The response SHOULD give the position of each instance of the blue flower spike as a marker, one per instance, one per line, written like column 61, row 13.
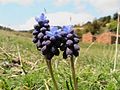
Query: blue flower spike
column 71, row 39
column 42, row 17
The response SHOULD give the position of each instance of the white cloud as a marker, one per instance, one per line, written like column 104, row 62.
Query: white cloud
column 103, row 7
column 59, row 18
column 25, row 26
column 21, row 2
column 61, row 2
column 106, row 6
column 63, row 18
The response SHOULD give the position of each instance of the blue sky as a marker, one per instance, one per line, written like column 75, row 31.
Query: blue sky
column 19, row 14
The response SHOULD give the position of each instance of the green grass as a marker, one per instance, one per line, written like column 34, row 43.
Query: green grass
column 93, row 66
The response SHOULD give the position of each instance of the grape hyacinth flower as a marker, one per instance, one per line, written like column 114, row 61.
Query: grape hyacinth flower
column 70, row 43
column 71, row 48
column 44, row 43
column 49, row 39
column 40, row 29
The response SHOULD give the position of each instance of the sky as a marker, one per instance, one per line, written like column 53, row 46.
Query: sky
column 20, row 14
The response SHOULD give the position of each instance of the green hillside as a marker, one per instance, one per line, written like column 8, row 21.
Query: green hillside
column 22, row 67
column 99, row 25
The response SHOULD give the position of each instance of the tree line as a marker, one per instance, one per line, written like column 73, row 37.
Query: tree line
column 5, row 28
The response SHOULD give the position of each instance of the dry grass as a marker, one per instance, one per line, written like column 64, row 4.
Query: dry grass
column 93, row 68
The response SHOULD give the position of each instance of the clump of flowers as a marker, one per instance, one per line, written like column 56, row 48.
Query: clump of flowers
column 50, row 40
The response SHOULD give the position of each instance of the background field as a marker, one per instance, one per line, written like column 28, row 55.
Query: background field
column 93, row 66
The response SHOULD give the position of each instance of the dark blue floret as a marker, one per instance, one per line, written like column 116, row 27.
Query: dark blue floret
column 55, row 51
column 76, row 40
column 76, row 53
column 62, row 47
column 44, row 50
column 37, row 27
column 35, row 40
column 76, row 47
column 43, row 43
column 52, row 38
column 48, row 42
column 46, row 25
column 38, row 44
column 35, row 32
column 43, row 29
column 49, row 55
column 70, row 36
column 40, row 35
column 69, row 43
column 63, row 33
column 46, row 37
column 69, row 52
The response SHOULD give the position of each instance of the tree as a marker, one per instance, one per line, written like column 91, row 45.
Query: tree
column 115, row 16
column 96, row 27
column 88, row 27
column 113, row 26
column 108, row 18
column 104, row 20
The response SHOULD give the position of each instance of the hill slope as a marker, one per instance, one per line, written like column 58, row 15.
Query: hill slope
column 22, row 67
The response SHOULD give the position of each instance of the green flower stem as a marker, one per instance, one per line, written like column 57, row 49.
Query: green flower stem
column 73, row 73
column 51, row 73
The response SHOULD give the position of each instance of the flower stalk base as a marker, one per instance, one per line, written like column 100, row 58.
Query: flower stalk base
column 51, row 73
column 73, row 73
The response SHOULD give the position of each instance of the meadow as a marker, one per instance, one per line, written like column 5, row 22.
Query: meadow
column 22, row 67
